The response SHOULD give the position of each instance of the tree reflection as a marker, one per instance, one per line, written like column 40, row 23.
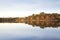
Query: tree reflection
column 42, row 20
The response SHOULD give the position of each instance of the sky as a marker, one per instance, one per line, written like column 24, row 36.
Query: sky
column 22, row 8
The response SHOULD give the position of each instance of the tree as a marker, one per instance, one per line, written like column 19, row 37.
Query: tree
column 42, row 13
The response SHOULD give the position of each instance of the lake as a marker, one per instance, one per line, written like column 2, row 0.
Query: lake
column 21, row 31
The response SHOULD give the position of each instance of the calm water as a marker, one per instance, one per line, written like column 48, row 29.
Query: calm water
column 18, row 31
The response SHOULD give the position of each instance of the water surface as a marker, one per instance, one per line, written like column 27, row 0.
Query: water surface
column 21, row 31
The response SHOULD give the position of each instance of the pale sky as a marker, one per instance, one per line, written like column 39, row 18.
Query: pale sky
column 22, row 8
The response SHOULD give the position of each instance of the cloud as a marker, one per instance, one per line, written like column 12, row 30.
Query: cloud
column 19, row 8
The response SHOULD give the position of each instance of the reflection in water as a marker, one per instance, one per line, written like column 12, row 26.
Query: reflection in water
column 26, row 32
column 43, row 24
column 42, row 20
